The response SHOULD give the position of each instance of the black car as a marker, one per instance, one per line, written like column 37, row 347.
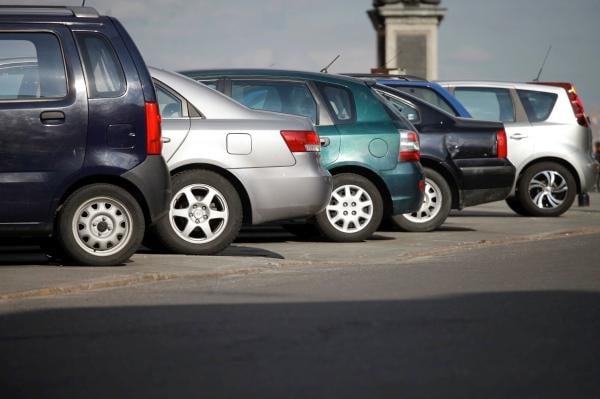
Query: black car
column 465, row 160
column 80, row 139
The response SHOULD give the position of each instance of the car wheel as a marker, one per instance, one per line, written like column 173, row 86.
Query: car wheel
column 437, row 201
column 354, row 211
column 100, row 225
column 546, row 189
column 205, row 214
column 514, row 204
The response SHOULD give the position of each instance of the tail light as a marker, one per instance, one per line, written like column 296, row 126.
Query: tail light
column 301, row 140
column 501, row 144
column 575, row 100
column 410, row 149
column 153, row 132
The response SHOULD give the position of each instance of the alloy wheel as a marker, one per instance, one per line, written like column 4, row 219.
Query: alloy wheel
column 432, row 203
column 548, row 189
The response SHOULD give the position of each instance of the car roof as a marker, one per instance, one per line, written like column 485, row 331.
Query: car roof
column 501, row 85
column 52, row 11
column 282, row 73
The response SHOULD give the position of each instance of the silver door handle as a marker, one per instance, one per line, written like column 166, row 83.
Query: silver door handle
column 518, row 136
column 165, row 139
column 325, row 141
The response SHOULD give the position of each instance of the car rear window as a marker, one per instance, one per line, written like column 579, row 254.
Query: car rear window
column 103, row 71
column 340, row 102
column 276, row 96
column 31, row 67
column 428, row 95
column 538, row 104
column 487, row 103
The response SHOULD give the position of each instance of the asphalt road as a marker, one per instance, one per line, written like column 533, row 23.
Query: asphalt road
column 513, row 320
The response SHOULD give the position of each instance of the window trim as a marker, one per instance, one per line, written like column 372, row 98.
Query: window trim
column 64, row 64
column 337, row 121
column 185, row 104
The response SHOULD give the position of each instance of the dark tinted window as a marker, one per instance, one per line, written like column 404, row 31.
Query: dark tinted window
column 428, row 95
column 287, row 97
column 403, row 107
column 103, row 71
column 340, row 101
column 31, row 67
column 170, row 105
column 538, row 104
column 487, row 103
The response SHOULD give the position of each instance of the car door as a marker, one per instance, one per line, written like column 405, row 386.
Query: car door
column 290, row 97
column 43, row 120
column 175, row 119
column 498, row 104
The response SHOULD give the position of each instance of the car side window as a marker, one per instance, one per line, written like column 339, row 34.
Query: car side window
column 209, row 83
column 103, row 71
column 490, row 104
column 278, row 96
column 340, row 101
column 406, row 109
column 31, row 67
column 538, row 104
column 428, row 95
column 169, row 105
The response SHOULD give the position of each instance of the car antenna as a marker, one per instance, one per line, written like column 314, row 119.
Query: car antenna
column 537, row 78
column 83, row 3
column 326, row 69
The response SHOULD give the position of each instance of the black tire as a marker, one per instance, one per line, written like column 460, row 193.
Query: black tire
column 53, row 250
column 435, row 186
column 357, row 232
column 104, row 213
column 561, row 175
column 514, row 204
column 302, row 230
column 226, row 229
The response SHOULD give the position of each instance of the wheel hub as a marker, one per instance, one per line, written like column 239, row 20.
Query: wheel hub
column 350, row 209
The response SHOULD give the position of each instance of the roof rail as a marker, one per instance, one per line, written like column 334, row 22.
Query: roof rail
column 60, row 11
column 384, row 76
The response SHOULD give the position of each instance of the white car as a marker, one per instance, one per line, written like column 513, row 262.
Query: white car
column 549, row 140
column 232, row 165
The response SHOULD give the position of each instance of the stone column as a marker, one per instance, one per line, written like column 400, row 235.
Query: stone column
column 409, row 31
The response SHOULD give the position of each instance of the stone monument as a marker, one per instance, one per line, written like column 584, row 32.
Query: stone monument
column 407, row 35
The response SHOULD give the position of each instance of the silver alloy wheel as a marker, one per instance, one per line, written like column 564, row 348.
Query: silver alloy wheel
column 102, row 226
column 350, row 208
column 198, row 213
column 548, row 189
column 432, row 204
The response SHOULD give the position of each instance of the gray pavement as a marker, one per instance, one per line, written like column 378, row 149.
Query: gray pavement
column 25, row 273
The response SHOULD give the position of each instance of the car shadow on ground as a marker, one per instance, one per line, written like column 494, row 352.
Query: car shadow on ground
column 492, row 345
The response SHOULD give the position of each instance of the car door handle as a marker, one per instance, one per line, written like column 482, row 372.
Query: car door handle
column 325, row 141
column 518, row 136
column 165, row 139
column 52, row 117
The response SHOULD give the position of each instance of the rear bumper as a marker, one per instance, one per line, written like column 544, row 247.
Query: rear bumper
column 488, row 182
column 403, row 184
column 151, row 178
column 283, row 193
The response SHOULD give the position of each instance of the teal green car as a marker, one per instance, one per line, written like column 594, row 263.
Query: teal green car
column 369, row 148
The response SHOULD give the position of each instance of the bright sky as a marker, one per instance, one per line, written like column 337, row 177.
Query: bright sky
column 489, row 39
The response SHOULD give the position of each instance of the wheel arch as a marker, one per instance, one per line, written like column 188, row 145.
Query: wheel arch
column 446, row 174
column 237, row 184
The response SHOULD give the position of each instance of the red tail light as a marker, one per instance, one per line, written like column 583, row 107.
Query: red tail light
column 576, row 102
column 410, row 149
column 153, row 139
column 301, row 141
column 501, row 144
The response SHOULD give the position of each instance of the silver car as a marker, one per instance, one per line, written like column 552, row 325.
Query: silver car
column 232, row 165
column 549, row 140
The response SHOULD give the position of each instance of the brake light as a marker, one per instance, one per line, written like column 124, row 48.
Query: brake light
column 410, row 149
column 575, row 100
column 153, row 131
column 301, row 140
column 501, row 144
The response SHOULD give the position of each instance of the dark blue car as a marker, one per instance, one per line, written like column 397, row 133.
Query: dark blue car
column 80, row 140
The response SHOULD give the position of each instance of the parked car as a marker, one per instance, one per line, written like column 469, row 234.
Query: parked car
column 372, row 155
column 80, row 138
column 426, row 90
column 549, row 141
column 465, row 160
column 231, row 164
